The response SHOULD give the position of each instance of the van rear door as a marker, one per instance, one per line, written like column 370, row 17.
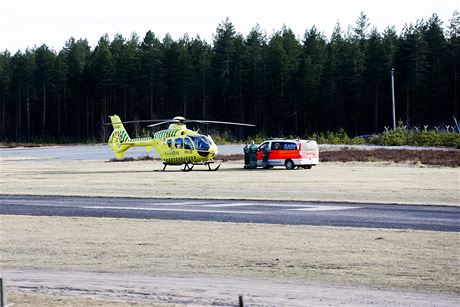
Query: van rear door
column 309, row 149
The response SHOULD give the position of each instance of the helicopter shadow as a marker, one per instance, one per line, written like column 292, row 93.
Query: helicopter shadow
column 95, row 172
column 221, row 170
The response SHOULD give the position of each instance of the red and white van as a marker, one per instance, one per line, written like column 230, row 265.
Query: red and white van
column 288, row 153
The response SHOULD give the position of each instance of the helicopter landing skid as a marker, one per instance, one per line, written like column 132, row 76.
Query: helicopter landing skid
column 209, row 166
column 189, row 166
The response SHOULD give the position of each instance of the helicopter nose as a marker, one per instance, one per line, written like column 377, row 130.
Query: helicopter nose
column 213, row 151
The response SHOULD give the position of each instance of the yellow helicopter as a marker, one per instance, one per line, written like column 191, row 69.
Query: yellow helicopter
column 176, row 145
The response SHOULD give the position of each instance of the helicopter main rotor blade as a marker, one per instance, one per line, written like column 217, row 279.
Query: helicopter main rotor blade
column 181, row 120
column 138, row 121
column 217, row 122
column 163, row 122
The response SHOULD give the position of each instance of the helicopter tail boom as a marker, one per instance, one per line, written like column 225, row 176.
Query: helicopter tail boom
column 120, row 141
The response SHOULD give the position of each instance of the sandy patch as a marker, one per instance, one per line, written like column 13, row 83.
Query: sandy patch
column 353, row 182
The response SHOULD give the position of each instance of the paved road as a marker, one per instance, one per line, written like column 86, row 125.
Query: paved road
column 439, row 218
column 103, row 152
column 92, row 152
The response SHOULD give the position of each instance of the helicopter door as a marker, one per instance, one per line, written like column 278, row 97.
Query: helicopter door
column 184, row 149
column 179, row 143
column 188, row 144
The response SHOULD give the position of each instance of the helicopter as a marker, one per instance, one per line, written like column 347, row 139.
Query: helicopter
column 176, row 145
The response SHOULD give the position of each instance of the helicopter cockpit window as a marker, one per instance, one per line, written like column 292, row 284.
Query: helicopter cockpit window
column 188, row 144
column 201, row 142
column 169, row 142
column 178, row 143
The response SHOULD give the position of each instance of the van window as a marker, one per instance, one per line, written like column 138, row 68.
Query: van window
column 288, row 146
column 276, row 146
column 169, row 142
column 263, row 145
column 188, row 144
column 178, row 143
column 309, row 146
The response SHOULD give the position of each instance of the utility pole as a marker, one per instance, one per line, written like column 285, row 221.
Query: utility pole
column 28, row 115
column 204, row 84
column 393, row 96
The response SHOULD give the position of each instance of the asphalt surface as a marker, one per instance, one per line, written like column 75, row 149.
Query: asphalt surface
column 437, row 218
column 92, row 152
column 103, row 152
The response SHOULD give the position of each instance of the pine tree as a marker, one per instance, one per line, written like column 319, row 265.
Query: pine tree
column 103, row 69
column 437, row 59
column 254, row 76
column 222, row 64
column 454, row 60
column 45, row 60
column 5, row 81
column 151, row 72
column 313, row 68
column 375, row 75
column 76, row 55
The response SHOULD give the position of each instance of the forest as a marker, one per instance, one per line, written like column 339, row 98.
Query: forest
column 286, row 85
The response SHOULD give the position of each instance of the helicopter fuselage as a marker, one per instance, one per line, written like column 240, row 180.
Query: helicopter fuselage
column 179, row 145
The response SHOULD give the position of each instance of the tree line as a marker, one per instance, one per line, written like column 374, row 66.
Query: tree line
column 284, row 84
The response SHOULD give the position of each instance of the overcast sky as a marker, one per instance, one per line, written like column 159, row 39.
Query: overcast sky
column 25, row 23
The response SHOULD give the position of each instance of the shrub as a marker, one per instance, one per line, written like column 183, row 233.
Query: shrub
column 426, row 138
column 398, row 137
column 450, row 139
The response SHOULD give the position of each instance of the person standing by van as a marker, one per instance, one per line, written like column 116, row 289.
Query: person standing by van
column 266, row 152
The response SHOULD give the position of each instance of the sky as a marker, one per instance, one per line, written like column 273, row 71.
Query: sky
column 29, row 23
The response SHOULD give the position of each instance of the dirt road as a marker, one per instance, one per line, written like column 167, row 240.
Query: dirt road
column 116, row 288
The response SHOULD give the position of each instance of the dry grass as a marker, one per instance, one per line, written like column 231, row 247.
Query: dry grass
column 450, row 158
column 374, row 257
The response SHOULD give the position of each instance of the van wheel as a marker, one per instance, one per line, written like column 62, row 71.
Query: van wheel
column 289, row 164
column 308, row 167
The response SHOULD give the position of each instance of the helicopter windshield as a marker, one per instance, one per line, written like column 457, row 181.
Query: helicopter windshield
column 201, row 142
